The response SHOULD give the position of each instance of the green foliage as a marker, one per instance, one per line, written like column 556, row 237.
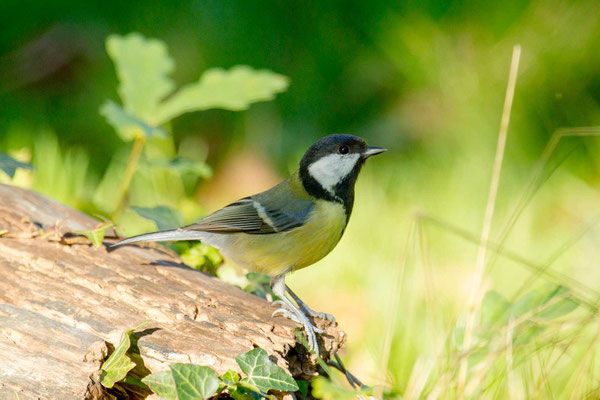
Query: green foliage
column 202, row 257
column 143, row 66
column 558, row 309
column 230, row 378
column 263, row 373
column 116, row 367
column 61, row 174
column 163, row 384
column 258, row 284
column 494, row 309
column 232, row 90
column 190, row 381
column 182, row 166
column 127, row 125
column 150, row 102
column 194, row 381
column 96, row 235
column 547, row 302
column 9, row 165
column 302, row 386
column 524, row 320
column 164, row 217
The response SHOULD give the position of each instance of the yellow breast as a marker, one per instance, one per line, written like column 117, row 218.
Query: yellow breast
column 275, row 253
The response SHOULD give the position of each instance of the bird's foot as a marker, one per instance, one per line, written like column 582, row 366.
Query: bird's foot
column 317, row 314
column 307, row 310
column 292, row 314
column 298, row 316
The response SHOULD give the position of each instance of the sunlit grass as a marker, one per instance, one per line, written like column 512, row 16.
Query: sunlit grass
column 357, row 283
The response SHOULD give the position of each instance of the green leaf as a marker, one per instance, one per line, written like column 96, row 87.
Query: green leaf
column 244, row 394
column 558, row 309
column 232, row 90
column 127, row 125
column 143, row 66
column 9, row 165
column 263, row 373
column 536, row 298
column 525, row 332
column 163, row 216
column 258, row 284
column 302, row 386
column 248, row 386
column 96, row 235
column 230, row 377
column 182, row 166
column 194, row 381
column 202, row 257
column 116, row 367
column 494, row 309
column 162, row 384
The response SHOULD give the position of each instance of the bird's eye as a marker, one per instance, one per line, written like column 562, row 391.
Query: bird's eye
column 343, row 149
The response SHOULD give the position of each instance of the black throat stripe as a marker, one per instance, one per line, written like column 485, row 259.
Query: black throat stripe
column 343, row 192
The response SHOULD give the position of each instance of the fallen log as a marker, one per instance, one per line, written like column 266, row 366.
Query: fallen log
column 57, row 300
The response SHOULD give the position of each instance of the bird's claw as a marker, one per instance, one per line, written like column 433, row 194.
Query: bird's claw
column 297, row 316
column 279, row 304
column 321, row 315
column 284, row 312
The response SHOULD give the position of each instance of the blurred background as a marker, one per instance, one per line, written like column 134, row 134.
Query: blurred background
column 427, row 80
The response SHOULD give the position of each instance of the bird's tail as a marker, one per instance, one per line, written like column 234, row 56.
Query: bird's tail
column 162, row 236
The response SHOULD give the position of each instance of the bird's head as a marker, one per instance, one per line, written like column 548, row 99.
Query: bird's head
column 329, row 168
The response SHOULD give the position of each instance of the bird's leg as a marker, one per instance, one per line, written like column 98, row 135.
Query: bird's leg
column 289, row 310
column 306, row 309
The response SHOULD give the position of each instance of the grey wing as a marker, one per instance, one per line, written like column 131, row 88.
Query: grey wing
column 253, row 216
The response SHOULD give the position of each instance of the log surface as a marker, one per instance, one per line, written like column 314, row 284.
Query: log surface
column 56, row 300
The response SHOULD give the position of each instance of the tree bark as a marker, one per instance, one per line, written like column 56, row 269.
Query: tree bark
column 58, row 299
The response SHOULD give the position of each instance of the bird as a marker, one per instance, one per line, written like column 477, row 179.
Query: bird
column 289, row 226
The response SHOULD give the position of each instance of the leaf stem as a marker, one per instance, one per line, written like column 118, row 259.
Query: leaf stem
column 130, row 168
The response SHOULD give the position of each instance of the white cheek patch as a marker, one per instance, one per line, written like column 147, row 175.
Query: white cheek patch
column 331, row 169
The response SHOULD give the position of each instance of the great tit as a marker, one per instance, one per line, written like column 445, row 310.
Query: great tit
column 288, row 227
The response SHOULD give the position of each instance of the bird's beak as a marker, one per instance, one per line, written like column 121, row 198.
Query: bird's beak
column 372, row 150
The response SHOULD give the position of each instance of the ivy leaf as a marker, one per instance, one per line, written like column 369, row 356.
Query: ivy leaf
column 232, row 90
column 127, row 125
column 194, row 381
column 162, row 384
column 9, row 165
column 116, row 367
column 163, row 216
column 263, row 373
column 96, row 235
column 240, row 393
column 230, row 377
column 302, row 386
column 143, row 66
